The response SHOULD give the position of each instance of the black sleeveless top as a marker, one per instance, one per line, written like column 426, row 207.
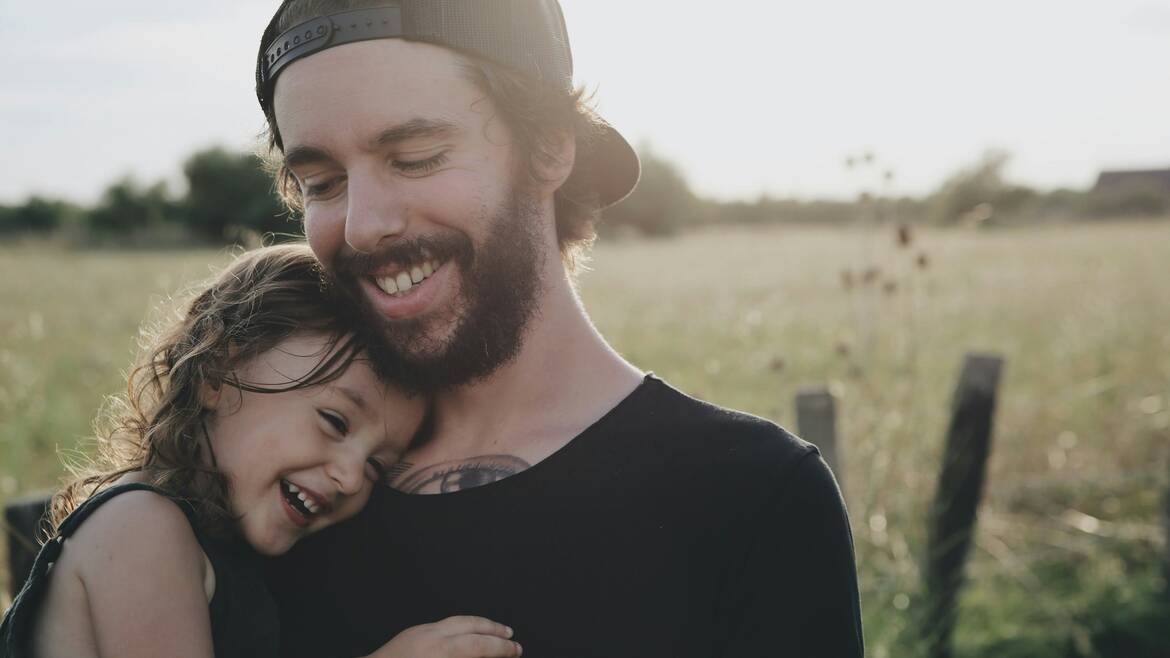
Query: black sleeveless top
column 243, row 615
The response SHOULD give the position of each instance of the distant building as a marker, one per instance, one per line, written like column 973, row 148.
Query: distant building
column 1133, row 179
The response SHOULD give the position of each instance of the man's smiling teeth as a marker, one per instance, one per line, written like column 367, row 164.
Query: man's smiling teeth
column 407, row 279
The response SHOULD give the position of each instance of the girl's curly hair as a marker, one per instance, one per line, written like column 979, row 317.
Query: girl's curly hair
column 157, row 426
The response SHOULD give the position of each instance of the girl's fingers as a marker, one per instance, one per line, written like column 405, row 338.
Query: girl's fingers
column 483, row 646
column 471, row 625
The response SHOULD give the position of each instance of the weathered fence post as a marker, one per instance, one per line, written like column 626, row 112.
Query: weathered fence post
column 1166, row 550
column 816, row 422
column 960, row 485
column 22, row 521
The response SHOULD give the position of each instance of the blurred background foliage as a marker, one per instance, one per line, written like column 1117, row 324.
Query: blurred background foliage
column 228, row 198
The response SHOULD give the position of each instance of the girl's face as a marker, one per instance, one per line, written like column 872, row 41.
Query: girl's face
column 301, row 460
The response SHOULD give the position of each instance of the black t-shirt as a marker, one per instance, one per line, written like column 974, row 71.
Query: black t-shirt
column 670, row 528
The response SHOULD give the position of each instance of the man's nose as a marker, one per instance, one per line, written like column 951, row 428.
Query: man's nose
column 375, row 212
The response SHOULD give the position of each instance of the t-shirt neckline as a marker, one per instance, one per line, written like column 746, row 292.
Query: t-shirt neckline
column 579, row 442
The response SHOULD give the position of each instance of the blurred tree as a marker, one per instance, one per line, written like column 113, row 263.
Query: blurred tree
column 661, row 204
column 38, row 215
column 981, row 189
column 230, row 194
column 128, row 207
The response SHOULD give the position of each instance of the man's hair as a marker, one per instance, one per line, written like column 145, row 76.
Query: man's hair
column 538, row 115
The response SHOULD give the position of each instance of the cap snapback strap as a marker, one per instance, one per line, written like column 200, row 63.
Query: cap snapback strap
column 327, row 31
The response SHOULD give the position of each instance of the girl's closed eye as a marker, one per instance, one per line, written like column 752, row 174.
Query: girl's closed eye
column 377, row 471
column 336, row 421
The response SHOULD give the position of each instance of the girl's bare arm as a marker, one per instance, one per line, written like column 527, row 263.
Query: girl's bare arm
column 144, row 577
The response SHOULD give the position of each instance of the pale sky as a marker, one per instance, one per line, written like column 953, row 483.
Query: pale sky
column 747, row 96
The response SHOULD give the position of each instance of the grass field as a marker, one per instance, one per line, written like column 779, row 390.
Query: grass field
column 1069, row 532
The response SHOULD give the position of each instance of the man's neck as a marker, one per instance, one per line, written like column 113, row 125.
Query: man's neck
column 564, row 379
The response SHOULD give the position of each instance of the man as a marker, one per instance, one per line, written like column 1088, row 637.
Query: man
column 448, row 176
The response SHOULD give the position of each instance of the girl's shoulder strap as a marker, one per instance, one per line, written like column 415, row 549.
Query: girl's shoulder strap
column 16, row 627
column 79, row 515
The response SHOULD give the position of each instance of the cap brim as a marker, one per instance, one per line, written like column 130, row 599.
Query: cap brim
column 614, row 167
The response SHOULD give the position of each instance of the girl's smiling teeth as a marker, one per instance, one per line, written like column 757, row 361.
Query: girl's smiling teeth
column 299, row 500
column 402, row 282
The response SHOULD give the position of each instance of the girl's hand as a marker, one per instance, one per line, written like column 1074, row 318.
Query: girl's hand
column 453, row 637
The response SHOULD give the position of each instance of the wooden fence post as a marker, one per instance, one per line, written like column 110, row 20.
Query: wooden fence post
column 960, row 486
column 1166, row 550
column 816, row 422
column 22, row 521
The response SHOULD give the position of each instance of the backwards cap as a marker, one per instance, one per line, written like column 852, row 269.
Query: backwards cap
column 527, row 36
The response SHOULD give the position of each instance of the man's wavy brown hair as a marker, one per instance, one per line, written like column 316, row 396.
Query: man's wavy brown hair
column 537, row 114
column 157, row 428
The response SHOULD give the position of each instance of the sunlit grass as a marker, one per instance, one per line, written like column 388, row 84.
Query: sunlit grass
column 1081, row 315
column 745, row 318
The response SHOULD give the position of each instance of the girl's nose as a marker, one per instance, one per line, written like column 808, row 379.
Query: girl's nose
column 348, row 471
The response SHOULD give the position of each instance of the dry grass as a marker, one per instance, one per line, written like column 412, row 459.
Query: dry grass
column 745, row 318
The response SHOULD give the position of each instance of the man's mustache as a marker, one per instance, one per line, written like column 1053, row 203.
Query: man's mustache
column 350, row 264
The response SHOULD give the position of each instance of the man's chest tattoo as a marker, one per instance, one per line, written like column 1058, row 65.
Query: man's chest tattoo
column 454, row 475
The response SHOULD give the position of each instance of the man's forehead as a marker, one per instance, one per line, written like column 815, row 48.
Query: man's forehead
column 369, row 87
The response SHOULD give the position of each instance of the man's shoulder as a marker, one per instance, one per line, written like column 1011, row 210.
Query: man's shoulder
column 686, row 426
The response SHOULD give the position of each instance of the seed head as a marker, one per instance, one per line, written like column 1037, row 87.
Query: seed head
column 905, row 235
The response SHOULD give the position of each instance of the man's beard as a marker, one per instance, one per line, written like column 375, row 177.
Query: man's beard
column 483, row 327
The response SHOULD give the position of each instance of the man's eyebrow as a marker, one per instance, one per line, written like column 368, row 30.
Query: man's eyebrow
column 413, row 129
column 303, row 155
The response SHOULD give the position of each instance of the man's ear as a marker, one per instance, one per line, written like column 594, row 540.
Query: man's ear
column 555, row 162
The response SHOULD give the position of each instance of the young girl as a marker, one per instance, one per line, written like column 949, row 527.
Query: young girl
column 253, row 421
